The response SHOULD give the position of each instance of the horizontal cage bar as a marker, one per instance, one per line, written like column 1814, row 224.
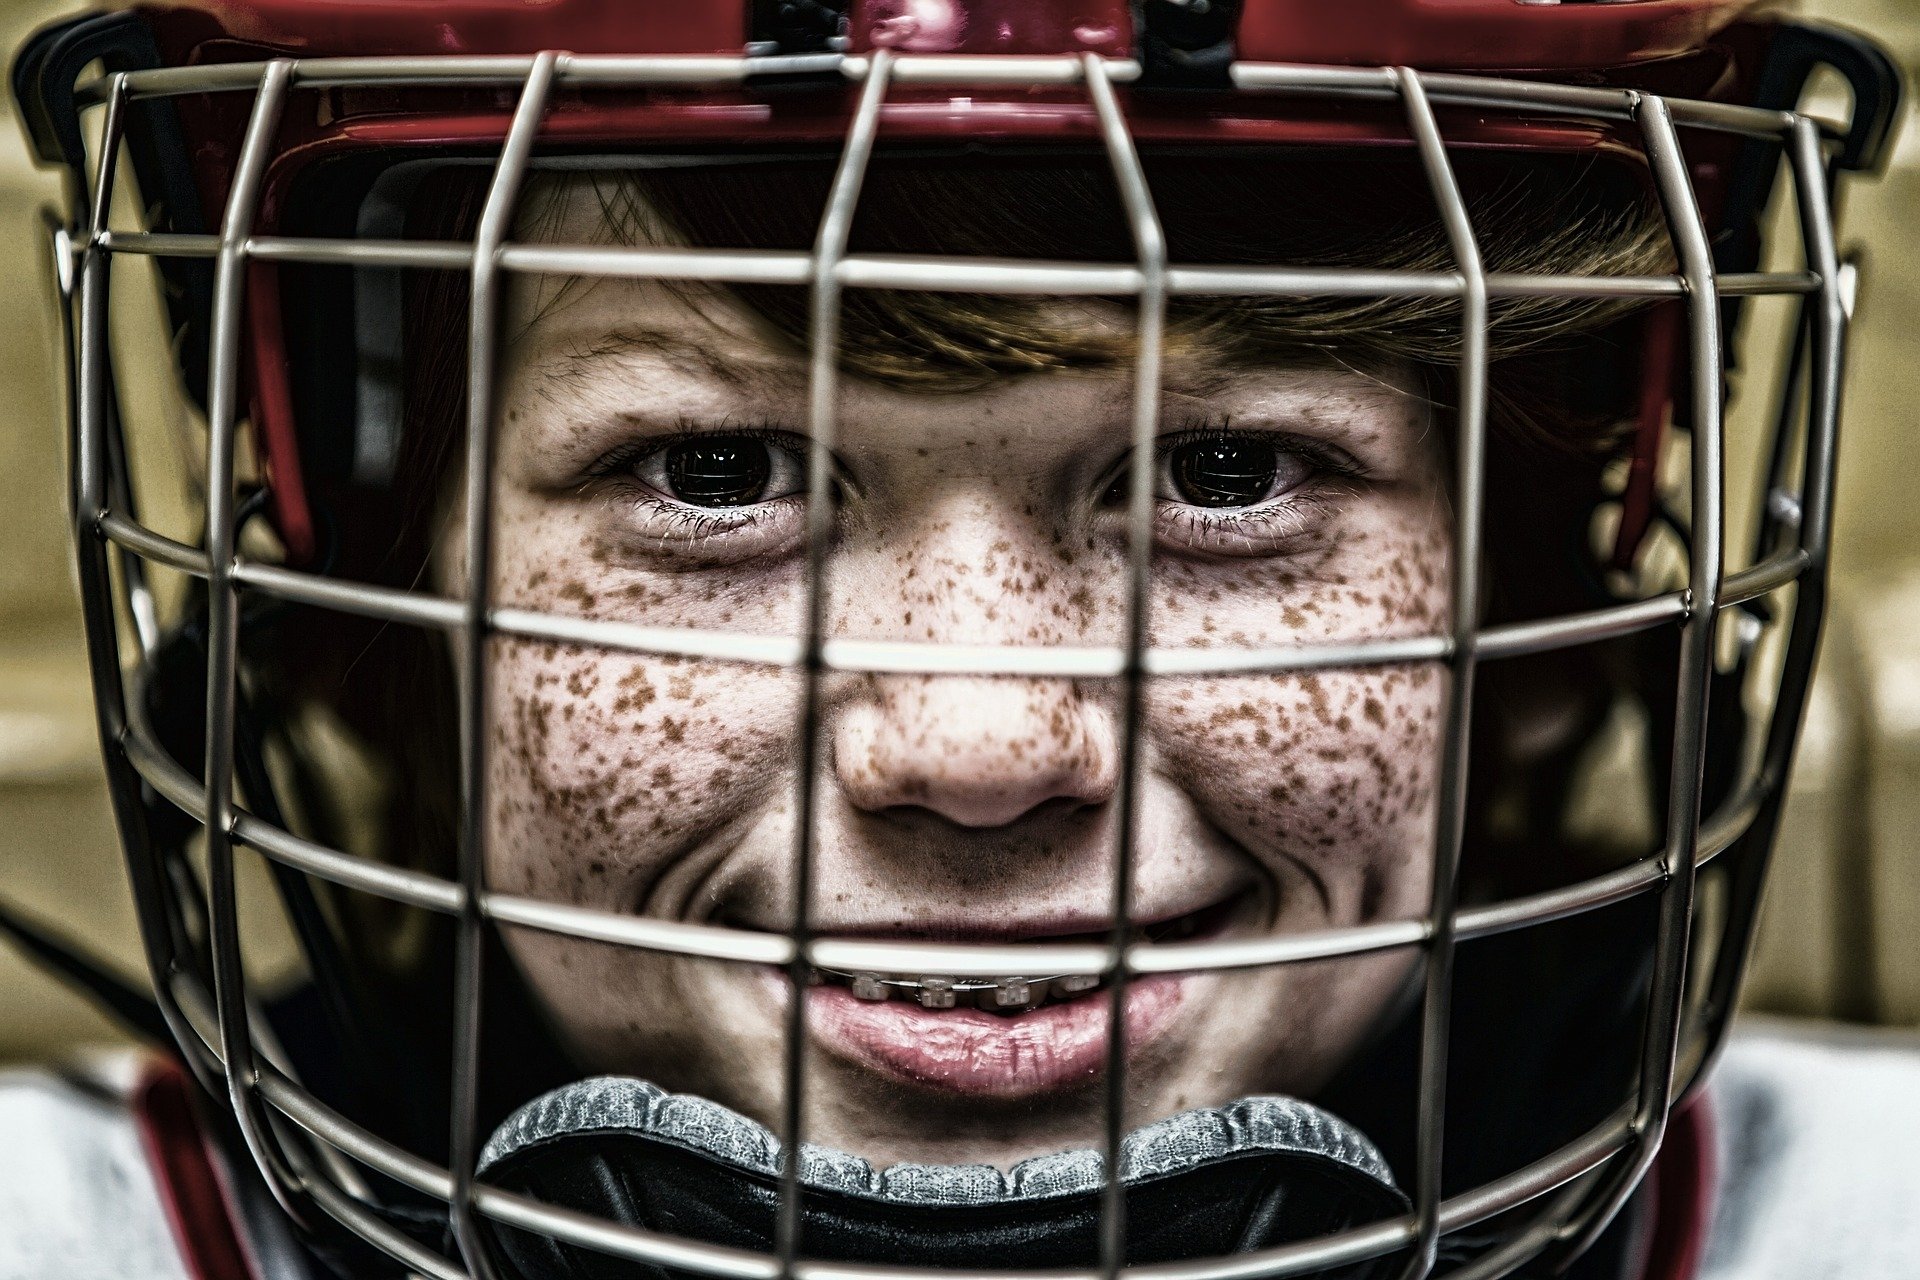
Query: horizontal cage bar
column 1556, row 1169
column 913, row 657
column 936, row 273
column 432, row 893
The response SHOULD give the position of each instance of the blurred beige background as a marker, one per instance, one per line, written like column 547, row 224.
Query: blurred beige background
column 1844, row 907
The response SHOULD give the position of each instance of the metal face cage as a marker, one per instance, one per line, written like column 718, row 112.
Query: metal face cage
column 317, row 1159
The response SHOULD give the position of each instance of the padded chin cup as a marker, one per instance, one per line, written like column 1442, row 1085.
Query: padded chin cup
column 1260, row 1172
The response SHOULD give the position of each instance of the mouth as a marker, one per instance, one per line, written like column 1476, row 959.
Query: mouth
column 1020, row 993
column 1005, row 1038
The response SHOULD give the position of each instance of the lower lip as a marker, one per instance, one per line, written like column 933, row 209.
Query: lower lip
column 987, row 1055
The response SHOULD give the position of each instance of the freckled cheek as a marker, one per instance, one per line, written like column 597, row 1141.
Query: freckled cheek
column 1381, row 585
column 1329, row 770
column 606, row 767
column 580, row 558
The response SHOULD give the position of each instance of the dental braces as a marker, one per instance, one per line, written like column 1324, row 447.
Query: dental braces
column 996, row 995
column 1000, row 995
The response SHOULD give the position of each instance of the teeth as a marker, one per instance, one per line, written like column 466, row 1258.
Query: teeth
column 1013, row 991
column 996, row 995
column 1009, row 993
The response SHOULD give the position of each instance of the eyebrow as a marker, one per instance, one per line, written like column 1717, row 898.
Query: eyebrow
column 687, row 355
column 774, row 374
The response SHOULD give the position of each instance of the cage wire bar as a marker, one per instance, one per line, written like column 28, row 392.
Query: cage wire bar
column 1150, row 319
column 858, row 656
column 430, row 893
column 823, row 388
column 496, row 220
column 217, row 1034
column 1819, row 343
column 1823, row 342
column 1666, row 998
column 223, row 418
column 935, row 273
column 91, row 381
column 95, row 213
column 1464, row 618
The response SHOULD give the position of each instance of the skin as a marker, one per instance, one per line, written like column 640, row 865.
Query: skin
column 950, row 807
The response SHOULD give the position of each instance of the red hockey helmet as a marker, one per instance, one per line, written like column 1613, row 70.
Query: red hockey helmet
column 301, row 164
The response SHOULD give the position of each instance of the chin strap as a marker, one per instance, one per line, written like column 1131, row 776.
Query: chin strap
column 1260, row 1172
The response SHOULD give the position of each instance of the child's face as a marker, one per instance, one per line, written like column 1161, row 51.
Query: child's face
column 651, row 470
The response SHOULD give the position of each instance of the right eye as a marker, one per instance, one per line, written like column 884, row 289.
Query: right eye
column 721, row 471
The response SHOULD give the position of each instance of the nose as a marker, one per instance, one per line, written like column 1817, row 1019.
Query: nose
column 978, row 751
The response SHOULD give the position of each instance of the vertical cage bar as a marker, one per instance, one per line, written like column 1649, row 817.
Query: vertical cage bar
column 223, row 603
column 1465, row 593
column 1786, row 414
column 101, row 455
column 92, row 384
column 1823, row 331
column 496, row 219
column 90, row 441
column 823, row 388
column 1828, row 355
column 1666, row 1002
column 1150, row 249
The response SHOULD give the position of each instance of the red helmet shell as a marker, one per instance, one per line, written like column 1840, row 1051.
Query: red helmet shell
column 1683, row 47
column 1460, row 35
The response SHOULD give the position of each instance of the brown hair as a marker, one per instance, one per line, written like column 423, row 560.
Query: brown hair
column 1362, row 211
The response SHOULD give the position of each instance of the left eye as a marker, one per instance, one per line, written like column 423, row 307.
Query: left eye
column 722, row 471
column 1230, row 471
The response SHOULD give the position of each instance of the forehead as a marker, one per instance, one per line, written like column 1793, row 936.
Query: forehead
column 933, row 342
column 596, row 342
column 1333, row 211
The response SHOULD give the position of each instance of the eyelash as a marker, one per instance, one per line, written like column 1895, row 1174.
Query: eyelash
column 622, row 457
column 1331, row 472
column 1276, row 524
column 687, row 524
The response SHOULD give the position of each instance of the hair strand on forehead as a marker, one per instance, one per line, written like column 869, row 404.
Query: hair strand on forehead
column 1539, row 219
